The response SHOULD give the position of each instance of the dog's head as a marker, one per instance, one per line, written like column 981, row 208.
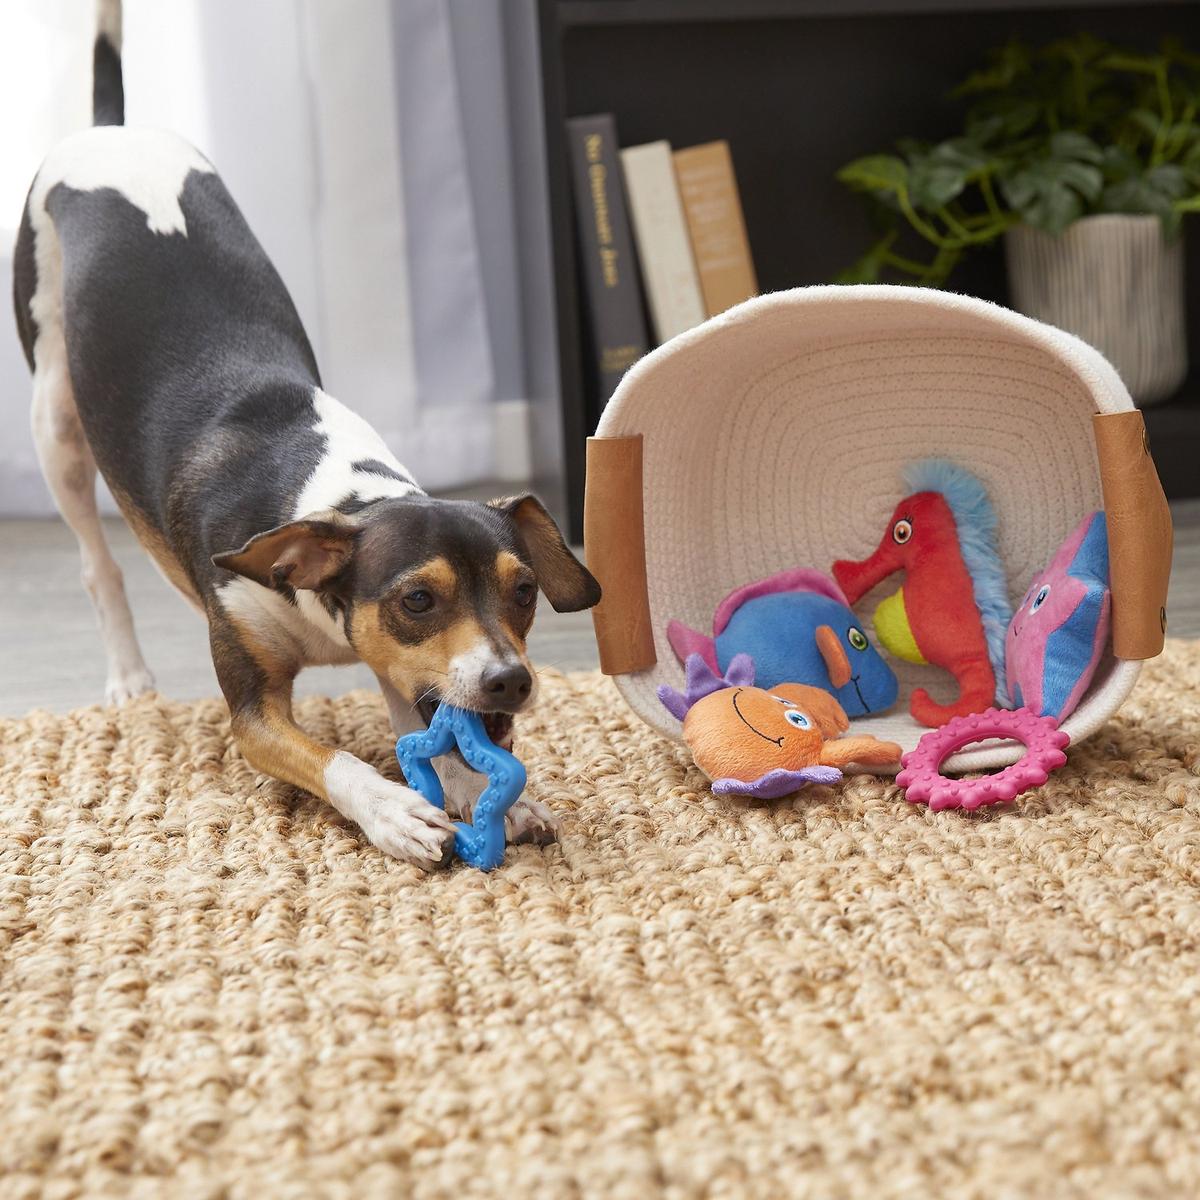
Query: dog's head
column 436, row 596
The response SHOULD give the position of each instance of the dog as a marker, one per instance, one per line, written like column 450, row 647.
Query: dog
column 167, row 354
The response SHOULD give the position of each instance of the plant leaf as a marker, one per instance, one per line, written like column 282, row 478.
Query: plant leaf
column 1070, row 144
column 1050, row 193
column 1120, row 163
column 1156, row 192
column 983, row 127
column 1086, row 180
column 931, row 184
column 1190, row 164
column 1176, row 51
column 1007, row 64
column 875, row 173
column 1006, row 116
column 1144, row 64
column 1148, row 122
column 965, row 152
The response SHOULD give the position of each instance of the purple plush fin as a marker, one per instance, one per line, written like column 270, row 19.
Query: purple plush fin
column 776, row 783
column 701, row 680
column 674, row 702
column 686, row 642
column 741, row 671
column 798, row 579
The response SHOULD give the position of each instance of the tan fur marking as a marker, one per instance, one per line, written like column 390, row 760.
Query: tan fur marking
column 152, row 541
column 510, row 569
column 277, row 669
column 438, row 574
column 516, row 639
column 262, row 722
column 274, row 744
column 407, row 667
column 461, row 638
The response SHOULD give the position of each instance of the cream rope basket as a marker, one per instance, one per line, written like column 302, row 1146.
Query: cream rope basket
column 775, row 435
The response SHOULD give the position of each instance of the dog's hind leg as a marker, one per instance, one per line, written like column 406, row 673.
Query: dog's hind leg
column 70, row 472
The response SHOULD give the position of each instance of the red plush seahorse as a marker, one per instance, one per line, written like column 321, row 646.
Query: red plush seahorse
column 953, row 608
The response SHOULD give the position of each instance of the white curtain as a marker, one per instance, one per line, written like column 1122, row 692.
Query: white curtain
column 337, row 127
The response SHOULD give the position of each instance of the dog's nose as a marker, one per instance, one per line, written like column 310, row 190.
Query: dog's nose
column 507, row 685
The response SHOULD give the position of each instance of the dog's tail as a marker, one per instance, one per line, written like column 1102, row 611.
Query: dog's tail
column 108, row 88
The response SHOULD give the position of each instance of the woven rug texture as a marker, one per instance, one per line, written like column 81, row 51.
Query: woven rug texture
column 212, row 986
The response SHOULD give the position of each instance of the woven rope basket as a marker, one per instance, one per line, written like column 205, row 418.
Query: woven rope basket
column 775, row 435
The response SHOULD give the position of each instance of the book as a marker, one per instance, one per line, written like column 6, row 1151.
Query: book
column 610, row 277
column 664, row 245
column 708, row 188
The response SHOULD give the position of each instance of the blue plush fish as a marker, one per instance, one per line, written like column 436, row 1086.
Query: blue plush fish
column 798, row 628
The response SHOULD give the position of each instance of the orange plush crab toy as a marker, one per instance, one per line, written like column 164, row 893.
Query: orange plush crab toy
column 765, row 744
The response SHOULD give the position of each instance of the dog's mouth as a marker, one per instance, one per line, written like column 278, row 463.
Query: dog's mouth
column 497, row 725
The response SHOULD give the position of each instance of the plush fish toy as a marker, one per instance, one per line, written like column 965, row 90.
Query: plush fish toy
column 797, row 627
column 764, row 743
column 1060, row 631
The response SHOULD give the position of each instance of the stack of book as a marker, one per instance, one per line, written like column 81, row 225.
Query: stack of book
column 682, row 209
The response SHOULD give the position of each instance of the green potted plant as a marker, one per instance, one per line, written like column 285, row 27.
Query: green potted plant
column 1084, row 159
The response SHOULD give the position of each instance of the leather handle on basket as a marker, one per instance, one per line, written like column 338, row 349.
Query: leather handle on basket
column 614, row 542
column 1139, row 534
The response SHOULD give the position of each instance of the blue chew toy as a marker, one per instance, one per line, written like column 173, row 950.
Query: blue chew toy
column 481, row 843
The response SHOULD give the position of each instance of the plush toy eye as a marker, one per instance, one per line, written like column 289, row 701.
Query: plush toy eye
column 795, row 717
column 857, row 638
column 1040, row 598
column 418, row 602
column 901, row 531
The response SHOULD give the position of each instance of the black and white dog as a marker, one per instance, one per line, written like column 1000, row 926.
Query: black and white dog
column 167, row 353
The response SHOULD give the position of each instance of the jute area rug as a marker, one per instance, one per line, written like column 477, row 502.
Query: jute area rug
column 211, row 986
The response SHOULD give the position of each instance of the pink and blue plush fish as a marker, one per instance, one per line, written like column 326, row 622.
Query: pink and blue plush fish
column 798, row 628
column 1060, row 629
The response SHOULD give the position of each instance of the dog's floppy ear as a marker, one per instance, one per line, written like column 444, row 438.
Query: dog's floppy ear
column 302, row 554
column 566, row 582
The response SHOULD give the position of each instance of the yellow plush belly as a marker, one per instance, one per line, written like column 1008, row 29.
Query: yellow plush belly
column 894, row 632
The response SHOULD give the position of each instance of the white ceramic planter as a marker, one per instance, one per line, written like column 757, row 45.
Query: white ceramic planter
column 1114, row 281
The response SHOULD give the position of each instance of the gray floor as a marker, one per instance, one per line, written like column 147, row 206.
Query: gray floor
column 50, row 649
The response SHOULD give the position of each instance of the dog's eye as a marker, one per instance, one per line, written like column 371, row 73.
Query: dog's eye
column 525, row 594
column 419, row 601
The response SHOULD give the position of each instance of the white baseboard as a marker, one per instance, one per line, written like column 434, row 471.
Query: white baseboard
column 514, row 459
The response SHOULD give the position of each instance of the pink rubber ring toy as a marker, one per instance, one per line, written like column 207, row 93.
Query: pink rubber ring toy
column 922, row 780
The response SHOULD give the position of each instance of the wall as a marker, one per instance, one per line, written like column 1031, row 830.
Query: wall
column 465, row 70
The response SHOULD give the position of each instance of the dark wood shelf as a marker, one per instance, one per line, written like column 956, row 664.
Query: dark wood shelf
column 1174, row 431
column 584, row 13
column 798, row 88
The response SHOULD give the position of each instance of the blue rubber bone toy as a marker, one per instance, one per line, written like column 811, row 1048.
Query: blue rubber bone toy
column 481, row 843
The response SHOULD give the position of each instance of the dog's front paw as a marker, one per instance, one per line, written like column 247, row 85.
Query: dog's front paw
column 530, row 821
column 396, row 819
column 418, row 833
column 526, row 821
column 123, row 686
